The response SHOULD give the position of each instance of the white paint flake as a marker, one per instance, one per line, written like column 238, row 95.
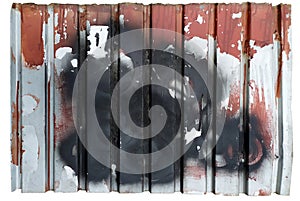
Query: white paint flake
column 74, row 63
column 29, row 104
column 121, row 20
column 62, row 51
column 236, row 15
column 191, row 135
column 98, row 37
column 200, row 19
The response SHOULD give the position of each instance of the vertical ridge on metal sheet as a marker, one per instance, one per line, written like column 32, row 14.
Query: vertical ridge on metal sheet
column 96, row 28
column 50, row 98
column 211, row 100
column 146, row 91
column 33, row 97
column 227, row 163
column 196, row 23
column 65, row 134
column 16, row 138
column 163, row 17
column 114, row 78
column 179, row 50
column 244, row 107
column 276, row 54
column 285, row 92
column 262, row 106
column 82, row 101
column 131, row 18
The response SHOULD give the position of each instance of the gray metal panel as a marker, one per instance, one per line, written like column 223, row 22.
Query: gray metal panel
column 246, row 52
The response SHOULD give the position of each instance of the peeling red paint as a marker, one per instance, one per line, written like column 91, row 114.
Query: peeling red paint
column 229, row 29
column 259, row 109
column 262, row 20
column 286, row 23
column 67, row 26
column 194, row 171
column 32, row 17
column 234, row 101
column 191, row 13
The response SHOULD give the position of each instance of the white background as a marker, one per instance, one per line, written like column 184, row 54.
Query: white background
column 5, row 193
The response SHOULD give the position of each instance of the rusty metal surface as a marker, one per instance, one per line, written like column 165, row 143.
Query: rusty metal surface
column 244, row 53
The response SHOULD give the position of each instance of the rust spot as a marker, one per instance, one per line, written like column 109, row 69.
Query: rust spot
column 31, row 39
column 16, row 6
column 29, row 82
column 15, row 141
column 13, row 58
column 39, row 151
column 262, row 192
column 279, row 78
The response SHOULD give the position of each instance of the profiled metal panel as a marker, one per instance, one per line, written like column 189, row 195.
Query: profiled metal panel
column 207, row 85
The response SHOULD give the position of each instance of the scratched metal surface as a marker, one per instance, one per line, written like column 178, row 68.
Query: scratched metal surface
column 246, row 50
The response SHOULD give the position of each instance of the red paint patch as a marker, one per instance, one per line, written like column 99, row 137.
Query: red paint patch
column 63, row 120
column 261, row 24
column 286, row 23
column 132, row 15
column 258, row 108
column 229, row 29
column 163, row 17
column 31, row 34
column 99, row 14
column 194, row 171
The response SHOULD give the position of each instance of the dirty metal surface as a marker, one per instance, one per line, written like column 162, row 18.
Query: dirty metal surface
column 226, row 98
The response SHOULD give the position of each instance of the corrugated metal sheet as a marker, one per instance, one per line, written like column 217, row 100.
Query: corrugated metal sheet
column 226, row 94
